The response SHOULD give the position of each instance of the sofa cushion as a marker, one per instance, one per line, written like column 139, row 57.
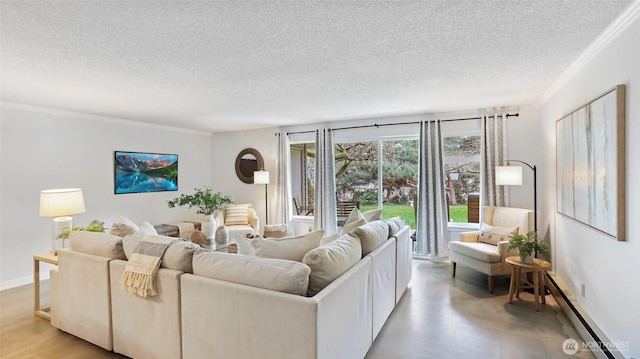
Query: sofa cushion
column 373, row 215
column 330, row 261
column 244, row 246
column 178, row 256
column 236, row 214
column 97, row 243
column 493, row 234
column 477, row 250
column 372, row 235
column 268, row 273
column 395, row 224
column 292, row 248
column 123, row 226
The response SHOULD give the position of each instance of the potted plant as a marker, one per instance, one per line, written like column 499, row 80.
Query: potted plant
column 206, row 201
column 527, row 245
column 93, row 226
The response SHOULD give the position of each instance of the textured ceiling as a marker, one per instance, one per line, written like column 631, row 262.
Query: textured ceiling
column 229, row 65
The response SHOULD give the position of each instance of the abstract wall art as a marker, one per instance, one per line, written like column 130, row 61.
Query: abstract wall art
column 590, row 158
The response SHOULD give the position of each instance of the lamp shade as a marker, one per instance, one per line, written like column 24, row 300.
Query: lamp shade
column 508, row 175
column 61, row 202
column 261, row 177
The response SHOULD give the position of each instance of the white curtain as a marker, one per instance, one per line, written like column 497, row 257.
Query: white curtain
column 325, row 183
column 432, row 230
column 493, row 152
column 284, row 211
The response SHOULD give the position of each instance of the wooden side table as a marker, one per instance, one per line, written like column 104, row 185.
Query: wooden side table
column 537, row 269
column 50, row 258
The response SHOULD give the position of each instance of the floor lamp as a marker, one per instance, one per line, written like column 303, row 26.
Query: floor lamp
column 262, row 177
column 512, row 176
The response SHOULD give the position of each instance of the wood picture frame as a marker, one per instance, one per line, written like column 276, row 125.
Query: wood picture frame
column 590, row 164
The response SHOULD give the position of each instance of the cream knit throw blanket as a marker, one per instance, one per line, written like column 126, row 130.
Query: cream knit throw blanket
column 139, row 276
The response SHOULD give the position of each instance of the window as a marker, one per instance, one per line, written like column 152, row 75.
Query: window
column 302, row 177
column 462, row 177
column 380, row 173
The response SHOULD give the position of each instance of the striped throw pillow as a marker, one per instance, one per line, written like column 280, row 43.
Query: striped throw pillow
column 237, row 214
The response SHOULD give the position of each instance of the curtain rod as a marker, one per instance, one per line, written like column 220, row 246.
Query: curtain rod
column 404, row 123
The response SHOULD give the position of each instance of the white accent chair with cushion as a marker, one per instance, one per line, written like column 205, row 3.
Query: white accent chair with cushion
column 240, row 220
column 486, row 250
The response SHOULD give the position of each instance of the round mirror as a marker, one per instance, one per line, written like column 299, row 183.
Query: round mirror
column 248, row 161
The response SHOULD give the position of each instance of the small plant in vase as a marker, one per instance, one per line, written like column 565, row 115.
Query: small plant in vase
column 206, row 201
column 527, row 245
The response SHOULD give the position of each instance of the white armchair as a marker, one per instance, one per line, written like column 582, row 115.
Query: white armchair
column 486, row 250
column 240, row 220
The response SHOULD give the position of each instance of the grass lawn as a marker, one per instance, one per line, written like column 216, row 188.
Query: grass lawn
column 458, row 213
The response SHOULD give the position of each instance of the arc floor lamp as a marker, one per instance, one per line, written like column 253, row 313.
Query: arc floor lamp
column 512, row 176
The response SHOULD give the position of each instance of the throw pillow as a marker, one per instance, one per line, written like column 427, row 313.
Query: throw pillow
column 372, row 235
column 329, row 238
column 244, row 246
column 395, row 224
column 97, row 243
column 493, row 234
column 330, row 261
column 122, row 226
column 236, row 214
column 146, row 228
column 178, row 256
column 354, row 216
column 268, row 273
column 291, row 248
column 348, row 227
column 373, row 215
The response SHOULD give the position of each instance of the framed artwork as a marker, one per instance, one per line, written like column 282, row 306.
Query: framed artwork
column 136, row 172
column 590, row 164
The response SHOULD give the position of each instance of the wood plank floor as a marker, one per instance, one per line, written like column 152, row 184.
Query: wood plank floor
column 438, row 317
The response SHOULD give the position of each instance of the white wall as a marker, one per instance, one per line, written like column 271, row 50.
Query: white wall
column 225, row 148
column 45, row 148
column 609, row 269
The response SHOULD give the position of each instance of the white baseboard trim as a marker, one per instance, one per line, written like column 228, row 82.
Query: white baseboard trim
column 22, row 281
column 594, row 339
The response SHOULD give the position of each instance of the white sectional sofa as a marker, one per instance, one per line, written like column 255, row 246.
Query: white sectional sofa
column 197, row 316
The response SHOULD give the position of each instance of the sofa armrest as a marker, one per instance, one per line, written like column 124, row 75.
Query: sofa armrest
column 469, row 236
column 503, row 248
column 254, row 220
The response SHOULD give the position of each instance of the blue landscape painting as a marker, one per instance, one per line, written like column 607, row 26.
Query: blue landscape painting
column 145, row 172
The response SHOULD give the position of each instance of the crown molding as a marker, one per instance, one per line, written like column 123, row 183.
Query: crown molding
column 628, row 16
column 92, row 117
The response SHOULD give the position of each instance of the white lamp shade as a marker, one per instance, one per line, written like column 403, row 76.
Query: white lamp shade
column 509, row 175
column 61, row 202
column 261, row 177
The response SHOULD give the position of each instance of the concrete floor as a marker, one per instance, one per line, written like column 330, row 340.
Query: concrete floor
column 438, row 317
column 444, row 317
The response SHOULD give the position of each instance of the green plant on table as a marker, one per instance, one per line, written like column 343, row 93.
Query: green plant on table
column 93, row 226
column 528, row 244
column 204, row 199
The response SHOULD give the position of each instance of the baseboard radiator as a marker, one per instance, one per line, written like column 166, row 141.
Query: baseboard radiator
column 594, row 339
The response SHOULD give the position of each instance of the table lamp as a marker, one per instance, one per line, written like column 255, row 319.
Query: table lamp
column 61, row 204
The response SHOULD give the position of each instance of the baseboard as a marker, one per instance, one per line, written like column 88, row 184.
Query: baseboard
column 8, row 284
column 594, row 339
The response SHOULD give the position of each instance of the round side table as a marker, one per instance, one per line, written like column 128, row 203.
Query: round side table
column 537, row 269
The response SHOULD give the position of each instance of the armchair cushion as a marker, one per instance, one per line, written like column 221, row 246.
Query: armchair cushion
column 477, row 250
column 493, row 234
